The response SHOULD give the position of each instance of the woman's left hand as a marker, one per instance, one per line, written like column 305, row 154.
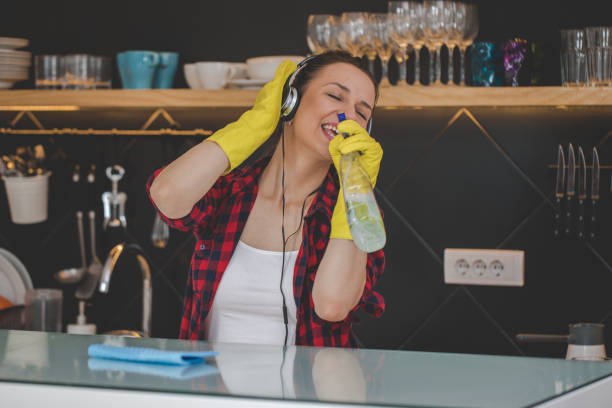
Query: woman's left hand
column 371, row 154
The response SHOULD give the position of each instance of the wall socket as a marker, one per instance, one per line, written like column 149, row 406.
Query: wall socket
column 490, row 267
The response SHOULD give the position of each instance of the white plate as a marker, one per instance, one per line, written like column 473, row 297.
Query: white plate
column 12, row 43
column 19, row 266
column 12, row 286
column 19, row 62
column 247, row 83
column 15, row 54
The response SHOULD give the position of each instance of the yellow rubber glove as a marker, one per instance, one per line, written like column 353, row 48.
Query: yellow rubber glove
column 371, row 154
column 241, row 138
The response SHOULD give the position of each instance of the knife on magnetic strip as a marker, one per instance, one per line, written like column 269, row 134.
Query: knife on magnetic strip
column 582, row 193
column 559, row 190
column 594, row 193
column 570, row 190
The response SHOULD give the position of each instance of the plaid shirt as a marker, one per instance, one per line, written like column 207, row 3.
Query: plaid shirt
column 217, row 221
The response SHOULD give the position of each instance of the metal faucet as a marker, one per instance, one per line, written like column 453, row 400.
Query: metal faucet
column 147, row 289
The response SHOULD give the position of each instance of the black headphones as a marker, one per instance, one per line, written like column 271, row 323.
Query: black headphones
column 291, row 96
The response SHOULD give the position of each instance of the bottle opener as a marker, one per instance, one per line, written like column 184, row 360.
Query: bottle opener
column 114, row 201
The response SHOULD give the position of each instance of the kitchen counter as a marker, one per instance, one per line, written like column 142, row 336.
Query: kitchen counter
column 53, row 369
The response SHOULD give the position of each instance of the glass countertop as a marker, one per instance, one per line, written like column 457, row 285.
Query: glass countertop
column 377, row 377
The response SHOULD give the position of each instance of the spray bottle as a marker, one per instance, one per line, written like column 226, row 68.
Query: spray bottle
column 362, row 212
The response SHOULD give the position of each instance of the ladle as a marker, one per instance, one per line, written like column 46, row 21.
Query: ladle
column 73, row 275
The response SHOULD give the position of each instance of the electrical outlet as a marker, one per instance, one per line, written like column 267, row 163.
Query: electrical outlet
column 490, row 267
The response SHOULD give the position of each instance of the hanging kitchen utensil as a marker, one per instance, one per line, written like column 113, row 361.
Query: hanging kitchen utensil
column 114, row 201
column 74, row 275
column 594, row 193
column 160, row 232
column 88, row 286
column 582, row 193
column 559, row 190
column 571, row 189
column 585, row 341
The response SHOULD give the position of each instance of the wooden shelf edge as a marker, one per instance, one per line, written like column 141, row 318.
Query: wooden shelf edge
column 391, row 97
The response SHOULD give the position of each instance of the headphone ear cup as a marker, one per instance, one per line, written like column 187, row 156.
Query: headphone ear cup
column 293, row 104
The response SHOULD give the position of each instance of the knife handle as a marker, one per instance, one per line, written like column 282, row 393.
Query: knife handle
column 593, row 228
column 568, row 216
column 557, row 215
column 581, row 221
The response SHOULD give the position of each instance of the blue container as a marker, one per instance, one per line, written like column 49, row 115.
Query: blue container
column 487, row 64
column 164, row 76
column 137, row 68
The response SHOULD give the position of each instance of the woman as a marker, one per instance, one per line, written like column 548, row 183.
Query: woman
column 262, row 272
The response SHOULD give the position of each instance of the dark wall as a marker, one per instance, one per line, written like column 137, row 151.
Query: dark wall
column 482, row 183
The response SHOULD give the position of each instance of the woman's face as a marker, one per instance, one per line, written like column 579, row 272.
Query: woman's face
column 336, row 88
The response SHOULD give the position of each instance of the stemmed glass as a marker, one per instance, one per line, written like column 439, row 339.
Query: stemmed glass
column 320, row 32
column 404, row 26
column 352, row 34
column 438, row 16
column 470, row 31
column 369, row 47
column 383, row 43
column 455, row 35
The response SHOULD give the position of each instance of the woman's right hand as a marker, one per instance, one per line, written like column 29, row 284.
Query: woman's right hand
column 241, row 138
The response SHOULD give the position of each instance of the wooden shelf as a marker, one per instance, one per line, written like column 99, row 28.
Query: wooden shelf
column 393, row 97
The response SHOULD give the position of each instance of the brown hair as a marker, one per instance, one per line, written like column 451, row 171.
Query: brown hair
column 320, row 61
column 306, row 75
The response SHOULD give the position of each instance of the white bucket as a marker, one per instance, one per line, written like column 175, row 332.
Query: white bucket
column 28, row 198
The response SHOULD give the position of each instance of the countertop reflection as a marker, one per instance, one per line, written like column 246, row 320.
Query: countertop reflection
column 378, row 377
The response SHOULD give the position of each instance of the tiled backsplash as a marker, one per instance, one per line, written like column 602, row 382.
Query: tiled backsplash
column 476, row 178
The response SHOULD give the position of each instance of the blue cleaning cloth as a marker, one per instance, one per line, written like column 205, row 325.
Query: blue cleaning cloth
column 148, row 355
column 182, row 372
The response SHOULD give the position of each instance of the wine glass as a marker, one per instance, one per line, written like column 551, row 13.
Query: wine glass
column 438, row 15
column 455, row 35
column 383, row 43
column 352, row 35
column 470, row 31
column 369, row 46
column 319, row 32
column 404, row 25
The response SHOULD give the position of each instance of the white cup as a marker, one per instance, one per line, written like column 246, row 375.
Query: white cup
column 214, row 75
column 242, row 71
column 191, row 76
column 28, row 198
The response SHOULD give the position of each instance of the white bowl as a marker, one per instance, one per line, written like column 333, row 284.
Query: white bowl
column 265, row 67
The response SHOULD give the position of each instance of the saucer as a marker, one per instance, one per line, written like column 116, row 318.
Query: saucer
column 246, row 83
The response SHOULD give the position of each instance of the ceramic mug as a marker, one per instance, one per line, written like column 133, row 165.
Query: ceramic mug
column 164, row 75
column 214, row 75
column 137, row 68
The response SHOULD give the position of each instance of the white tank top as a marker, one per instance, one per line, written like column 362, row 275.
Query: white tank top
column 248, row 306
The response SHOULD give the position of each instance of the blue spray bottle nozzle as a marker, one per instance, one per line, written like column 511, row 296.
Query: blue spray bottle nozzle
column 341, row 117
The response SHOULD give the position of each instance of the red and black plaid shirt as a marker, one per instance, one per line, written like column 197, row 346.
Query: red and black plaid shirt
column 217, row 221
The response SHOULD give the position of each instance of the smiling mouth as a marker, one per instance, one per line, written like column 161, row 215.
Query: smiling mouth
column 329, row 130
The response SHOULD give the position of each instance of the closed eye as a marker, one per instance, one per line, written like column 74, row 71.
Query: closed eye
column 340, row 99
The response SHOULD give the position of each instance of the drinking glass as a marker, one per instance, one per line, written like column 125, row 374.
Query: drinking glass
column 486, row 64
column 404, row 25
column 455, row 35
column 78, row 72
column 43, row 310
column 515, row 54
column 383, row 43
column 599, row 56
column 102, row 72
column 353, row 32
column 438, row 16
column 49, row 70
column 470, row 31
column 573, row 58
column 319, row 32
